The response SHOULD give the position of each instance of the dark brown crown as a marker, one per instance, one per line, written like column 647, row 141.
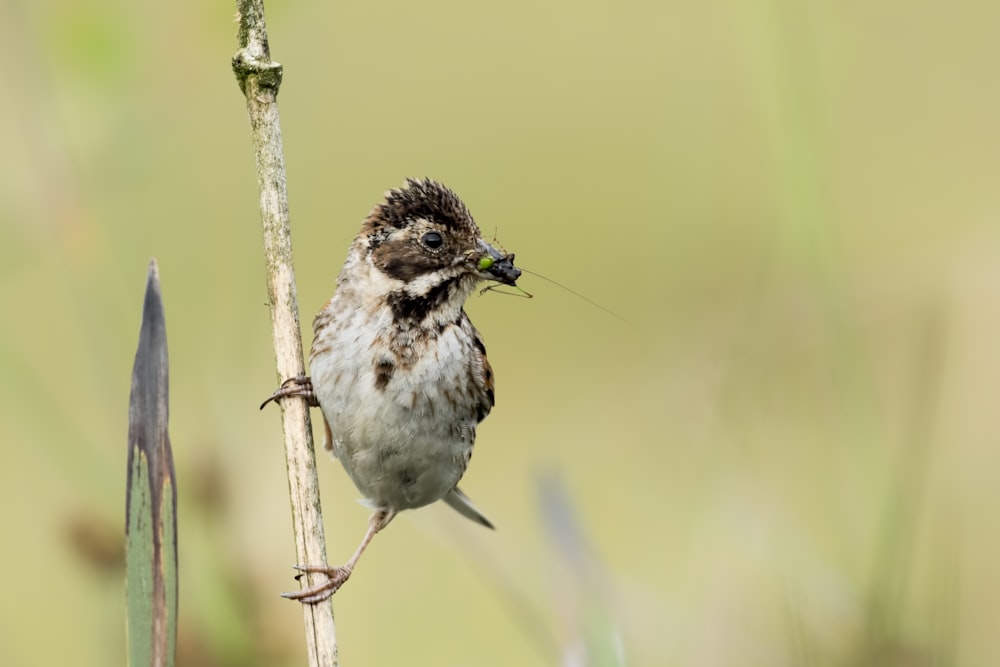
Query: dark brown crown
column 427, row 199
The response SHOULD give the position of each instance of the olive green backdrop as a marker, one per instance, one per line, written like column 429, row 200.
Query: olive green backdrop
column 790, row 458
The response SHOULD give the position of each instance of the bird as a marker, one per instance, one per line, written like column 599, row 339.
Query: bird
column 396, row 366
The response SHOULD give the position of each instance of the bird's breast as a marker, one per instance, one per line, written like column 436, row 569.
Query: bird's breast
column 402, row 409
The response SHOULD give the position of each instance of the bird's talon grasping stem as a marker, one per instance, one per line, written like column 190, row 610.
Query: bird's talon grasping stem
column 300, row 385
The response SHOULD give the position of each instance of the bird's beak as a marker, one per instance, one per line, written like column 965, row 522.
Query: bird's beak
column 494, row 265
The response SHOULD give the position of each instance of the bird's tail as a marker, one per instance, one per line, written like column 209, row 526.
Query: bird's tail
column 461, row 504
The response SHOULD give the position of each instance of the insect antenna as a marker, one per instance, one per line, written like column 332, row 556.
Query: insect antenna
column 579, row 296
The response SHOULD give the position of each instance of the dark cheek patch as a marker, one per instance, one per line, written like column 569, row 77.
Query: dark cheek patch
column 402, row 261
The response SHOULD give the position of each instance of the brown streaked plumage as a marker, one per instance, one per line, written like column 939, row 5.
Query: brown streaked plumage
column 398, row 368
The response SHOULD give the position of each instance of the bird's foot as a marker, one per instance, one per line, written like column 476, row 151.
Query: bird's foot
column 299, row 385
column 336, row 577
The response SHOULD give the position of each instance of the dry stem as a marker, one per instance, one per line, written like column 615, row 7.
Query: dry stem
column 259, row 79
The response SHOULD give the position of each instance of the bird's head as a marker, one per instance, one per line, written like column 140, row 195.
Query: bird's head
column 428, row 250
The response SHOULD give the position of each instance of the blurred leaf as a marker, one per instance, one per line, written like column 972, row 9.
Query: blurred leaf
column 97, row 542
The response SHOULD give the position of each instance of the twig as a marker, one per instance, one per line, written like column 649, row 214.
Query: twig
column 259, row 79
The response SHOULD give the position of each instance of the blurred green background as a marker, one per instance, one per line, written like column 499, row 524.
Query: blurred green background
column 792, row 457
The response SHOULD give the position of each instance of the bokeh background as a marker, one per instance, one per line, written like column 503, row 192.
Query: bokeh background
column 788, row 457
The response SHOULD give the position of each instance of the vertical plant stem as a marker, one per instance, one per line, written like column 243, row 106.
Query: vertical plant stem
column 259, row 79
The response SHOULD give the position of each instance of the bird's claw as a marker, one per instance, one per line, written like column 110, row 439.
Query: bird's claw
column 300, row 385
column 336, row 577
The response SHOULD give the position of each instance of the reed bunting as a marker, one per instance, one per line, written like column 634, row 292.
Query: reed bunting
column 397, row 367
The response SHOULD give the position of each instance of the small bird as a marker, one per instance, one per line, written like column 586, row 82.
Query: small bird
column 397, row 367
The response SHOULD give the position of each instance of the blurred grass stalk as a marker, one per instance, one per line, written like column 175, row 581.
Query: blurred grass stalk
column 151, row 499
column 794, row 80
column 583, row 585
column 260, row 78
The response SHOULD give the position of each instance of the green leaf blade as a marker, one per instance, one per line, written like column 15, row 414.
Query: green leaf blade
column 151, row 502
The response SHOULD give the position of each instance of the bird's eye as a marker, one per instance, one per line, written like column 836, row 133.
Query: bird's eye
column 432, row 240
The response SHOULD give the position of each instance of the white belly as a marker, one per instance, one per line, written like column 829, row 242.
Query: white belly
column 405, row 445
